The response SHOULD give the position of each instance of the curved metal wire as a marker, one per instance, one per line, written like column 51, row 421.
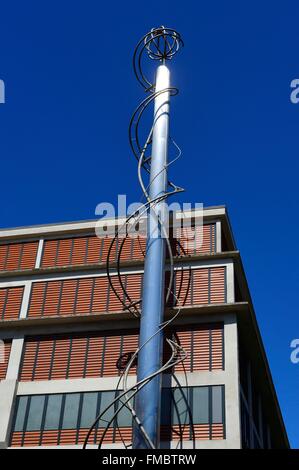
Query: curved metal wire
column 159, row 44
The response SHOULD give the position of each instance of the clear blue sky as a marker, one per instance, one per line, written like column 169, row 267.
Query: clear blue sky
column 70, row 90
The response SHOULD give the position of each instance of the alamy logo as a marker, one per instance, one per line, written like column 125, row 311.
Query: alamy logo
column 294, row 96
column 295, row 353
column 2, row 92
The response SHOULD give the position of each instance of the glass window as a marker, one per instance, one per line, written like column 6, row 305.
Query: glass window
column 53, row 412
column 71, row 409
column 20, row 416
column 180, row 405
column 106, row 399
column 124, row 417
column 35, row 412
column 217, row 408
column 89, row 409
column 200, row 405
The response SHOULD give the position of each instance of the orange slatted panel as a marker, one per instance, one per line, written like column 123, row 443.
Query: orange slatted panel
column 68, row 297
column 124, row 433
column 10, row 301
column 112, row 353
column 3, row 365
column 49, row 253
column 110, row 437
column 49, row 437
column 133, row 287
column 61, row 358
column 218, row 285
column 64, row 252
column 185, row 342
column 14, row 255
column 79, row 251
column 94, row 358
column 201, row 349
column 36, row 299
column 28, row 360
column 16, row 439
column 84, row 296
column 139, row 247
column 202, row 431
column 44, row 358
column 99, row 303
column 68, row 437
column 52, row 298
column 130, row 344
column 18, row 256
column 200, row 286
column 3, row 256
column 94, row 250
column 115, row 304
column 217, row 348
column 82, row 435
column 77, row 358
column 125, row 245
column 199, row 239
column 183, row 287
column 29, row 255
column 105, row 247
column 31, row 438
column 217, row 431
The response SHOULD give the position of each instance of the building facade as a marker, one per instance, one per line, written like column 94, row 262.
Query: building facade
column 64, row 332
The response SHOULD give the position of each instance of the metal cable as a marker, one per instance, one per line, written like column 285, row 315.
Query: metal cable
column 151, row 43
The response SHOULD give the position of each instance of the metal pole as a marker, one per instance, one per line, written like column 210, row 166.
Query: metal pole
column 148, row 399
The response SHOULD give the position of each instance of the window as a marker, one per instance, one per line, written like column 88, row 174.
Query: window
column 89, row 409
column 75, row 411
column 53, row 412
column 201, row 405
column 21, row 411
column 70, row 412
column 35, row 413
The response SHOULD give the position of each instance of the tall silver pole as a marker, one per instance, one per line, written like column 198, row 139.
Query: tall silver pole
column 148, row 399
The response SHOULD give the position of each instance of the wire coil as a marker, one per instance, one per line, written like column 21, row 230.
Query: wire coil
column 159, row 44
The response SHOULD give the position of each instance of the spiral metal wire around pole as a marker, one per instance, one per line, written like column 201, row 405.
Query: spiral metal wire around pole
column 160, row 44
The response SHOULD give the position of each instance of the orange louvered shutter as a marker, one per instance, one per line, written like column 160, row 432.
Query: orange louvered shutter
column 77, row 357
column 198, row 239
column 68, row 296
column 125, row 248
column 10, row 302
column 49, row 253
column 28, row 360
column 61, row 358
column 201, row 350
column 99, row 301
column 183, row 287
column 218, row 285
column 139, row 247
column 18, row 256
column 79, row 251
column 36, row 299
column 111, row 355
column 64, row 252
column 43, row 359
column 200, row 286
column 95, row 356
column 84, row 295
column 94, row 250
column 217, row 348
